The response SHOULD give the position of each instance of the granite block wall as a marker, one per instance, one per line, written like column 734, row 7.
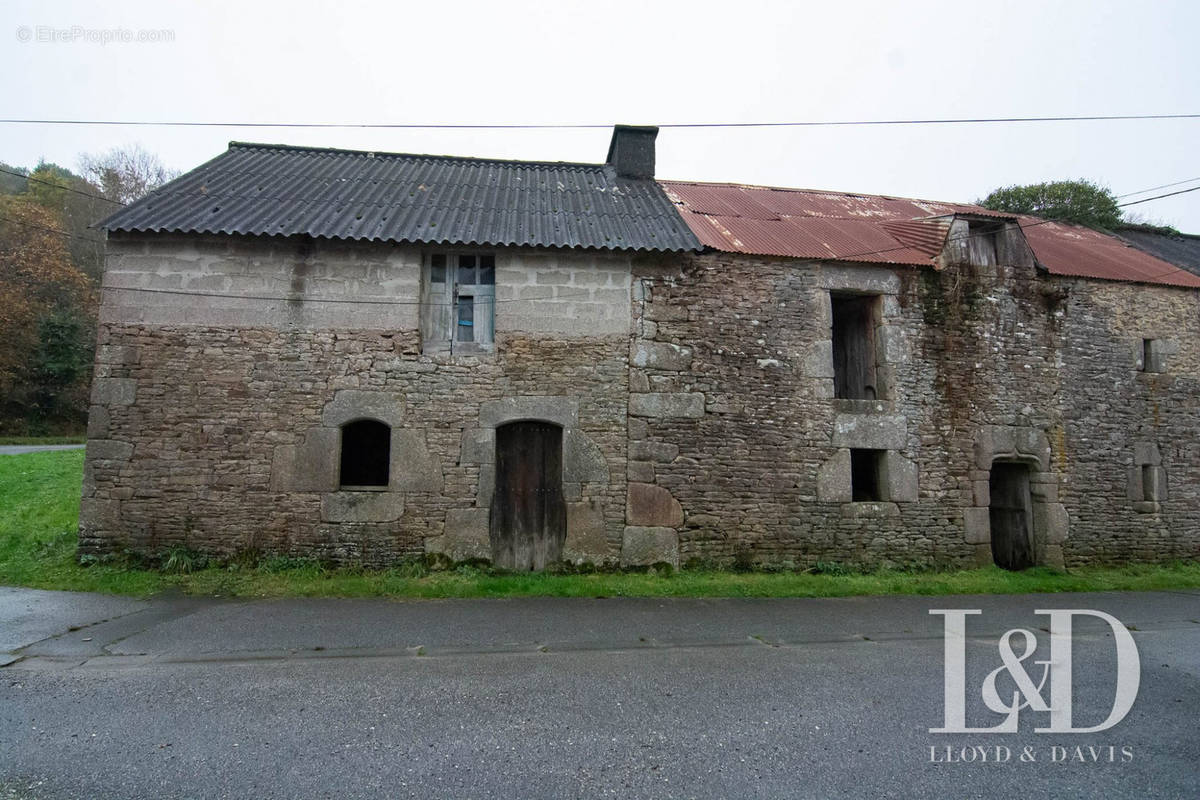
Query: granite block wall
column 696, row 394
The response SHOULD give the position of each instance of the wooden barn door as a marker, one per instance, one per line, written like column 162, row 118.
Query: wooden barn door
column 1011, row 516
column 529, row 516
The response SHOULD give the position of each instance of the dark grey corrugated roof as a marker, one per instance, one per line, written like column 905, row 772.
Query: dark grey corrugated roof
column 262, row 189
column 1182, row 250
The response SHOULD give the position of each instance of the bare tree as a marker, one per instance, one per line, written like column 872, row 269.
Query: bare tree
column 125, row 174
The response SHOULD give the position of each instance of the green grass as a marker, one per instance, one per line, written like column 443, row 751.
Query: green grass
column 35, row 440
column 39, row 506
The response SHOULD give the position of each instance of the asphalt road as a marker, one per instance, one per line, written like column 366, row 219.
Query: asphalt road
column 569, row 698
column 22, row 449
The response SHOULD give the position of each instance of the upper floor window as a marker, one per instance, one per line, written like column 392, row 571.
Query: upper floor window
column 854, row 321
column 458, row 302
column 983, row 245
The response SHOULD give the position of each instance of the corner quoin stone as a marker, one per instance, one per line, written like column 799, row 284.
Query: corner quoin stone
column 114, row 391
column 687, row 405
column 661, row 355
column 109, row 450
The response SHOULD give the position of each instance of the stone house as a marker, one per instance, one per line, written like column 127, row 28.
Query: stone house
column 367, row 357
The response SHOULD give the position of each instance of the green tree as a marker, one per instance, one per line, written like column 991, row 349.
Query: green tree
column 38, row 282
column 1081, row 202
column 47, row 186
column 11, row 183
column 62, row 362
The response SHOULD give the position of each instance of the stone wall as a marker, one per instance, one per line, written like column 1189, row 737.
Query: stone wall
column 739, row 451
column 696, row 394
column 215, row 421
column 1119, row 416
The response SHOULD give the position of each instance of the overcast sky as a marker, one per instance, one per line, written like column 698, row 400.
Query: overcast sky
column 637, row 62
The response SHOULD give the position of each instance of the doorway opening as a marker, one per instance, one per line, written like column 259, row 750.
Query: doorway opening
column 528, row 515
column 1011, row 515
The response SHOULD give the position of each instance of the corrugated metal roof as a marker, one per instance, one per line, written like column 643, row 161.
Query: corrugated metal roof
column 259, row 189
column 1182, row 249
column 1075, row 250
column 800, row 223
column 808, row 224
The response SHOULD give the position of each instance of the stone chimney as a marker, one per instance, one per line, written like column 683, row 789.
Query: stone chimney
column 631, row 152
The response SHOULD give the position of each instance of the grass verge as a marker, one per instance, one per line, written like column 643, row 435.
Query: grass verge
column 39, row 507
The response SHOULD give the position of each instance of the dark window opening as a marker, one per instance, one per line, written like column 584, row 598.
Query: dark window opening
column 1148, row 348
column 366, row 453
column 1154, row 484
column 866, row 475
column 854, row 347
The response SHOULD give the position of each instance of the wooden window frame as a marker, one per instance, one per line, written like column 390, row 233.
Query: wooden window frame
column 867, row 309
column 440, row 302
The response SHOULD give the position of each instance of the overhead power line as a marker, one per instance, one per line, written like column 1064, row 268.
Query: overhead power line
column 60, row 186
column 541, row 126
column 51, row 230
column 1155, row 188
column 1159, row 197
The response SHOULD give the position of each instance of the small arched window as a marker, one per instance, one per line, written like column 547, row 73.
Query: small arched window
column 366, row 453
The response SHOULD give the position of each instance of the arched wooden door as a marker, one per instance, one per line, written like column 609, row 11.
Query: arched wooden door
column 1011, row 516
column 529, row 515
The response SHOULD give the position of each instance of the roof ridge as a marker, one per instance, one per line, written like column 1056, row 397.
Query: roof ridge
column 393, row 154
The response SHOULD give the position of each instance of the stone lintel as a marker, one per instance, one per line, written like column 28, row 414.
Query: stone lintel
column 353, row 404
column 562, row 411
column 870, row 431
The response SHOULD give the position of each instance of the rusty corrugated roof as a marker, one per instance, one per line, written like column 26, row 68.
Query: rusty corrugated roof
column 281, row 190
column 1074, row 250
column 801, row 223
